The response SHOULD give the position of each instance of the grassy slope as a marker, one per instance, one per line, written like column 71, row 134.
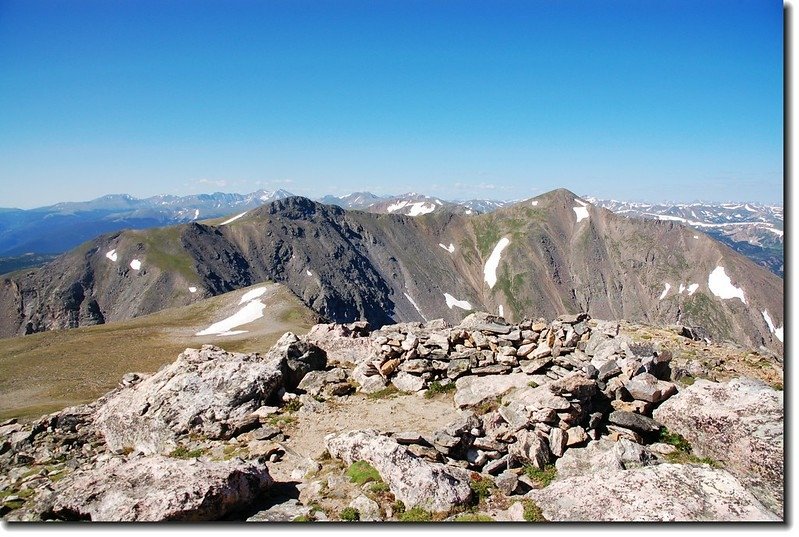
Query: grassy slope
column 48, row 371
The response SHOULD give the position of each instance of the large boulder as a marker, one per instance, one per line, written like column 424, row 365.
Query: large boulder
column 602, row 455
column 739, row 423
column 662, row 493
column 473, row 390
column 205, row 391
column 414, row 481
column 156, row 488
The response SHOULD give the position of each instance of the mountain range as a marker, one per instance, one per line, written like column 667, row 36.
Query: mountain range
column 545, row 256
column 33, row 237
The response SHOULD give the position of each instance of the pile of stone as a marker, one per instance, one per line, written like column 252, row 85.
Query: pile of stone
column 529, row 392
column 412, row 356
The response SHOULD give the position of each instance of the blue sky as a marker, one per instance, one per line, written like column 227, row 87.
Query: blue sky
column 629, row 99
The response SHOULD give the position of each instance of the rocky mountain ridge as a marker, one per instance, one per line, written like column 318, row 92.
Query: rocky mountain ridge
column 576, row 410
column 551, row 255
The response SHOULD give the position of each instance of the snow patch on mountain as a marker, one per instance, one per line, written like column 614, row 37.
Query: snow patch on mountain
column 397, row 206
column 450, row 248
column 192, row 289
column 501, row 311
column 721, row 285
column 581, row 211
column 253, row 310
column 665, row 291
column 413, row 303
column 534, row 203
column 420, row 208
column 778, row 332
column 692, row 288
column 252, row 295
column 452, row 301
column 112, row 255
column 135, row 264
column 229, row 220
column 490, row 269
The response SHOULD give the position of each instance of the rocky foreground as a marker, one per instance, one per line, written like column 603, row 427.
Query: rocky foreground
column 569, row 420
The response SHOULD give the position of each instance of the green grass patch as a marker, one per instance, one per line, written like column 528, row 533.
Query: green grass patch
column 532, row 384
column 386, row 393
column 379, row 487
column 541, row 477
column 674, row 439
column 182, row 452
column 487, row 234
column 473, row 517
column 417, row 514
column 349, row 514
column 293, row 405
column 436, row 388
column 481, row 486
column 304, row 518
column 361, row 472
column 533, row 513
column 681, row 457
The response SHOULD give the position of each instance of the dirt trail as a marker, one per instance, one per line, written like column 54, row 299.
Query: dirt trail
column 399, row 413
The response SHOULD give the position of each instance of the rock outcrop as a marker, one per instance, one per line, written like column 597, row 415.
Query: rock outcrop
column 417, row 483
column 739, row 423
column 662, row 493
column 207, row 391
column 156, row 489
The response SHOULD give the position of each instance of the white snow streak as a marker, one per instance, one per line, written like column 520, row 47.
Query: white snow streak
column 412, row 301
column 450, row 248
column 192, row 289
column 420, row 208
column 397, row 206
column 721, row 285
column 682, row 288
column 692, row 288
column 196, row 213
column 778, row 332
column 229, row 220
column 112, row 255
column 452, row 301
column 501, row 311
column 534, row 203
column 582, row 211
column 777, row 231
column 135, row 264
column 665, row 291
column 249, row 313
column 490, row 270
column 252, row 295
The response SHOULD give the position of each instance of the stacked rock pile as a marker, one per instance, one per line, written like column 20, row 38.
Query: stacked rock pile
column 529, row 391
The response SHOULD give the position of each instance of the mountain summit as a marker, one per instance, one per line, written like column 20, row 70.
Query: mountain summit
column 545, row 256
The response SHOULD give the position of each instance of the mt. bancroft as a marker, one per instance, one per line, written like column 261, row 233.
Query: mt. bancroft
column 545, row 256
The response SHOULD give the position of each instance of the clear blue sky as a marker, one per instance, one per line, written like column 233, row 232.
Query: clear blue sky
column 630, row 99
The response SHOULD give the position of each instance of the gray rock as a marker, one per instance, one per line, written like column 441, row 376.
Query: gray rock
column 156, row 488
column 557, row 442
column 648, row 388
column 636, row 422
column 663, row 493
column 603, row 455
column 507, row 482
column 412, row 480
column 368, row 509
column 200, row 391
column 739, row 423
column 530, row 448
column 609, row 369
column 458, row 367
column 473, row 390
column 282, row 512
column 575, row 436
column 576, row 384
column 405, row 382
column 496, row 466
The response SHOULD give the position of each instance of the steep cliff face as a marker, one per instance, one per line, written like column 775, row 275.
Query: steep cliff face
column 546, row 256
